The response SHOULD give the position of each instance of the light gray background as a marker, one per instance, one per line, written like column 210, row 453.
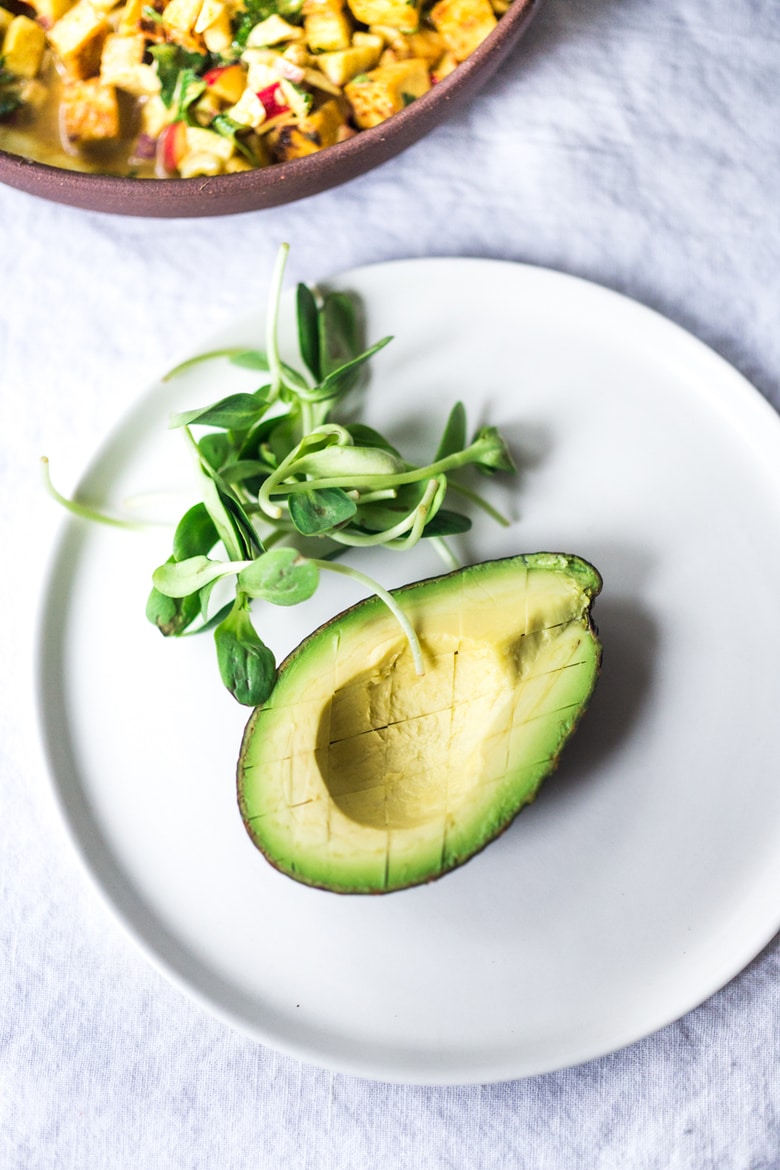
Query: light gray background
column 632, row 143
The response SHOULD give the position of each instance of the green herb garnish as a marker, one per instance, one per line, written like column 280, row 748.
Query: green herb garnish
column 10, row 97
column 277, row 473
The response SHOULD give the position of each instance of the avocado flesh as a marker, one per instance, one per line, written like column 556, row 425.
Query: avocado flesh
column 358, row 776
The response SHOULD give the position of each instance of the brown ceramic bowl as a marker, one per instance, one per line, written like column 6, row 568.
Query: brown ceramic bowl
column 284, row 182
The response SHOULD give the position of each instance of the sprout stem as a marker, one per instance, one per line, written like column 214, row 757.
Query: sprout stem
column 84, row 510
column 390, row 602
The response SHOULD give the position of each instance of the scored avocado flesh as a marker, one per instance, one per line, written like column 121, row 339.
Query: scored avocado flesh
column 360, row 776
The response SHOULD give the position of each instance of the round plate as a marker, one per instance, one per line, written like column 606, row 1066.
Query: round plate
column 646, row 874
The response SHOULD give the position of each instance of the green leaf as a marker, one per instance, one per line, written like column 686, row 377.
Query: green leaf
column 234, row 353
column 343, row 377
column 318, row 511
column 10, row 102
column 251, row 542
column 308, row 330
column 365, row 436
column 236, row 133
column 250, row 359
column 195, row 534
column 339, row 331
column 283, row 436
column 246, row 665
column 446, row 523
column 281, row 576
column 454, row 437
column 215, row 450
column 237, row 412
column 490, row 452
column 171, row 615
column 181, row 578
column 173, row 61
column 245, row 469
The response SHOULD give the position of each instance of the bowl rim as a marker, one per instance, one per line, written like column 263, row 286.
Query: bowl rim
column 279, row 183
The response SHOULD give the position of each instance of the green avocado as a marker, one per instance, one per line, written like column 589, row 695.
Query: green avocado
column 360, row 776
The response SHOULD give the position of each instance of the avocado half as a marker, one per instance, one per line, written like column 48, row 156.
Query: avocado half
column 359, row 776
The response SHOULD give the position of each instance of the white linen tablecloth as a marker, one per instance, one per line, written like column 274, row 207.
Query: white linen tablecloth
column 635, row 144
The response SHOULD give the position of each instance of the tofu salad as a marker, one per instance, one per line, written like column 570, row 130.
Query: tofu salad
column 185, row 88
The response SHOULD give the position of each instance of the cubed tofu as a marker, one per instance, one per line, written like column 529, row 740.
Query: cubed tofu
column 77, row 39
column 90, row 111
column 386, row 90
column 321, row 128
column 426, row 44
column 200, row 162
column 340, row 67
column 23, row 47
column 213, row 24
column 201, row 141
column 210, row 10
column 463, row 24
column 402, row 14
column 34, row 93
column 446, row 65
column 327, row 26
column 155, row 116
column 49, row 12
column 178, row 24
column 121, row 64
column 181, row 15
column 130, row 17
column 218, row 37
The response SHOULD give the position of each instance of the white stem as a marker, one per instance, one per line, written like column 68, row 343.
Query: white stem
column 390, row 602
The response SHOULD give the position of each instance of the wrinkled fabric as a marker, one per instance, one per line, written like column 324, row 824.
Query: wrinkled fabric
column 629, row 143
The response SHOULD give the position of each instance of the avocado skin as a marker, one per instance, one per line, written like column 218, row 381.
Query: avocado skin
column 423, row 596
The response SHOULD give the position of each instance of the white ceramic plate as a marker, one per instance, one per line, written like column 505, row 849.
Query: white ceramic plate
column 647, row 873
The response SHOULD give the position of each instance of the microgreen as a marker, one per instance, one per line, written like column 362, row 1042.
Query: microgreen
column 280, row 476
column 276, row 469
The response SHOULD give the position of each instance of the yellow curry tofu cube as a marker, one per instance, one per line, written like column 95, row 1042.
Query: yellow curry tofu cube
column 77, row 39
column 340, row 67
column 5, row 19
column 49, row 11
column 181, row 15
column 213, row 24
column 90, row 111
column 401, row 14
column 319, row 129
column 23, row 47
column 121, row 64
column 218, row 37
column 463, row 24
column 327, row 26
column 386, row 90
column 130, row 17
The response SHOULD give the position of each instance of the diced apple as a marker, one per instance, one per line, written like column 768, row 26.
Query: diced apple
column 226, row 82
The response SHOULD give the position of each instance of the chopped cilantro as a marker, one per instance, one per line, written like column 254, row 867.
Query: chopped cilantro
column 180, row 75
column 10, row 98
column 229, row 128
column 408, row 98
